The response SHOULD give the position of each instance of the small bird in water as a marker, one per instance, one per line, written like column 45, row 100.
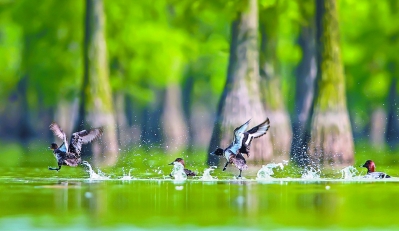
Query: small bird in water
column 240, row 145
column 70, row 154
column 371, row 173
column 186, row 171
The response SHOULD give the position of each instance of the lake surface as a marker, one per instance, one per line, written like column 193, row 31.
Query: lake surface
column 38, row 199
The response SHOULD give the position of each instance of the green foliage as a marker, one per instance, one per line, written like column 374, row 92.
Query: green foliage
column 369, row 42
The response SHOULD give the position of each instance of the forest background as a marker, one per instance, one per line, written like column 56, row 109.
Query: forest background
column 171, row 78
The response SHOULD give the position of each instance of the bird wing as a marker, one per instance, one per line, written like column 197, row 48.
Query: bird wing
column 56, row 129
column 238, row 133
column 83, row 137
column 260, row 130
column 238, row 136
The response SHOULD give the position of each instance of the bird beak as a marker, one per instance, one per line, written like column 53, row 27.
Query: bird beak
column 171, row 163
column 364, row 165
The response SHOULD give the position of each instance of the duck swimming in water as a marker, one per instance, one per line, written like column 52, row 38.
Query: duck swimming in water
column 240, row 145
column 371, row 173
column 70, row 154
column 186, row 171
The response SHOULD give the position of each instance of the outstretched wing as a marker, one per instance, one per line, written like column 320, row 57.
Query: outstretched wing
column 83, row 137
column 239, row 131
column 238, row 136
column 254, row 132
column 259, row 130
column 56, row 129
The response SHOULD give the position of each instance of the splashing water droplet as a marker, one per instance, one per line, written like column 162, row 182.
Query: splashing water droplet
column 207, row 174
column 349, row 173
column 94, row 175
column 178, row 172
column 267, row 170
column 311, row 173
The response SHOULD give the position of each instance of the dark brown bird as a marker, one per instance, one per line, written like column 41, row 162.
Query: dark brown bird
column 187, row 171
column 70, row 154
column 371, row 173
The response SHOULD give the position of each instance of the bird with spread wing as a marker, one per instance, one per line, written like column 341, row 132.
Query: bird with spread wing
column 69, row 154
column 240, row 145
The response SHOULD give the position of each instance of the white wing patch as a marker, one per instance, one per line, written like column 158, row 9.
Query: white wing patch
column 56, row 129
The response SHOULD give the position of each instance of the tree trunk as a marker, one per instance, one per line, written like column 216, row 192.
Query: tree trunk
column 15, row 121
column 151, row 131
column 378, row 123
column 174, row 124
column 280, row 131
column 392, row 127
column 66, row 114
column 241, row 99
column 96, row 108
column 304, row 90
column 331, row 134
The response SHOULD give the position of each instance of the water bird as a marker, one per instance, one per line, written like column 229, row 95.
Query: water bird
column 70, row 154
column 240, row 145
column 371, row 173
column 186, row 171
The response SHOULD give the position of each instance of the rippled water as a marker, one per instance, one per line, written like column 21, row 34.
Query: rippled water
column 38, row 199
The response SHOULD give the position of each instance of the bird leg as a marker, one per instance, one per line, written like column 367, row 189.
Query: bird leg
column 57, row 169
column 239, row 176
column 225, row 166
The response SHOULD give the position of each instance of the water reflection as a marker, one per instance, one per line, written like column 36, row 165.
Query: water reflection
column 236, row 203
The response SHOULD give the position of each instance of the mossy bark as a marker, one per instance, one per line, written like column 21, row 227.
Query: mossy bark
column 304, row 89
column 280, row 132
column 331, row 139
column 241, row 98
column 96, row 100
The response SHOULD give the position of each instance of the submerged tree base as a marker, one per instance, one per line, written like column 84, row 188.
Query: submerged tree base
column 331, row 139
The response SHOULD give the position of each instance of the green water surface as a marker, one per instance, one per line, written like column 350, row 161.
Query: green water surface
column 34, row 198
column 38, row 199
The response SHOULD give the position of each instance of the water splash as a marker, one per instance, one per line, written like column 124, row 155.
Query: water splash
column 94, row 175
column 178, row 172
column 311, row 173
column 267, row 170
column 349, row 173
column 207, row 174
column 126, row 176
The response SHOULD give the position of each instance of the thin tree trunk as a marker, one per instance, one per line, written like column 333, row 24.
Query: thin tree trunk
column 66, row 114
column 378, row 123
column 331, row 134
column 392, row 127
column 174, row 124
column 151, row 130
column 16, row 115
column 304, row 90
column 241, row 99
column 96, row 107
column 281, row 131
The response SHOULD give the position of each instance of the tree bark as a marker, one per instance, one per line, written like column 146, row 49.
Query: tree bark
column 392, row 127
column 281, row 131
column 241, row 99
column 331, row 134
column 96, row 106
column 66, row 114
column 151, row 130
column 378, row 123
column 174, row 123
column 304, row 90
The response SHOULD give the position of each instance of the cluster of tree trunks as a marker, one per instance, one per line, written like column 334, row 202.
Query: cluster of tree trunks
column 322, row 130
